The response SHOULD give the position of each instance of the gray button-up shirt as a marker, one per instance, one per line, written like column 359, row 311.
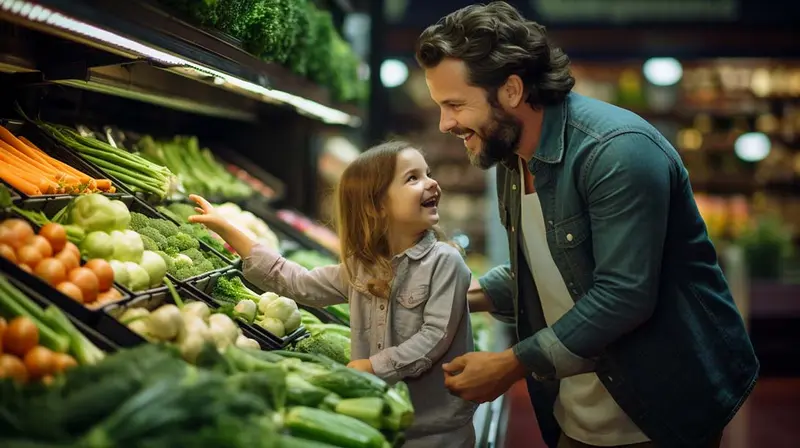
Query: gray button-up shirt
column 424, row 324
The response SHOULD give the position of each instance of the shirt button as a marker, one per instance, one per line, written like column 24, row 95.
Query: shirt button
column 514, row 186
column 513, row 275
column 570, row 237
column 380, row 346
column 512, row 229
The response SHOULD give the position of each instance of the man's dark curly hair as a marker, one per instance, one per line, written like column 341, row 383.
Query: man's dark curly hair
column 495, row 42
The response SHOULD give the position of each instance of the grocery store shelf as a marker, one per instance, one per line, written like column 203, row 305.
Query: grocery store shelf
column 142, row 32
column 490, row 418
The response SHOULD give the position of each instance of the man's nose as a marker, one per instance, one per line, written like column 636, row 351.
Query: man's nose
column 446, row 122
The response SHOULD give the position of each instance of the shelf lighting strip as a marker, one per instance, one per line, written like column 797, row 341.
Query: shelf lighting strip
column 38, row 13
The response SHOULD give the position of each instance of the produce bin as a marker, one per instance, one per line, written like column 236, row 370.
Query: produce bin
column 125, row 337
column 87, row 314
column 45, row 294
column 209, row 288
column 51, row 206
column 52, row 148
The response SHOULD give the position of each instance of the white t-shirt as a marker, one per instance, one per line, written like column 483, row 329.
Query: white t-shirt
column 584, row 409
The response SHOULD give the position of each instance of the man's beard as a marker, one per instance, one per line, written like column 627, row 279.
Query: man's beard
column 500, row 139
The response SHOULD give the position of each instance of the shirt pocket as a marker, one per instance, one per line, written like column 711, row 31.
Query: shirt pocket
column 409, row 310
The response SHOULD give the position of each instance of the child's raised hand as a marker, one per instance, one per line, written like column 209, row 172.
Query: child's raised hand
column 207, row 216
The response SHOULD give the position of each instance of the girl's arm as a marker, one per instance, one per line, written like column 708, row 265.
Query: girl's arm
column 268, row 270
column 446, row 307
column 318, row 287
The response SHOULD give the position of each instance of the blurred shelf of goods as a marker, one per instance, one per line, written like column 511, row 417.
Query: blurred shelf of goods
column 736, row 124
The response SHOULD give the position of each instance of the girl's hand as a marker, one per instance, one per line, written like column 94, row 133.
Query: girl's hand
column 363, row 365
column 208, row 217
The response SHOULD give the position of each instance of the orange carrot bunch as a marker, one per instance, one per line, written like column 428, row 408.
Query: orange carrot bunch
column 28, row 169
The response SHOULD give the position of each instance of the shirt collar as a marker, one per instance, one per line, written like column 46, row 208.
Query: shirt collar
column 551, row 141
column 419, row 250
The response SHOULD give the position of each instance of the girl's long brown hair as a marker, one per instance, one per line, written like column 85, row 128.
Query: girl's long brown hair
column 361, row 222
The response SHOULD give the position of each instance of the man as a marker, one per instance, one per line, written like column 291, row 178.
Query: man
column 628, row 334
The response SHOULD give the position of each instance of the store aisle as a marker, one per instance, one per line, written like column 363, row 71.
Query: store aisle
column 768, row 419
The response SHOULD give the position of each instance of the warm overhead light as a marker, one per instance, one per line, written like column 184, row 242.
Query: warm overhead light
column 39, row 13
column 662, row 72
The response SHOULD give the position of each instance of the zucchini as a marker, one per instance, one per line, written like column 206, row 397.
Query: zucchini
column 369, row 410
column 349, row 383
column 335, row 429
column 293, row 442
column 300, row 392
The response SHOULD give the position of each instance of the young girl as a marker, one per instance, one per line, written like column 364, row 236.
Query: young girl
column 406, row 289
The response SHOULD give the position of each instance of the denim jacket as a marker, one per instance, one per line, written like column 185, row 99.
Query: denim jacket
column 653, row 315
column 424, row 324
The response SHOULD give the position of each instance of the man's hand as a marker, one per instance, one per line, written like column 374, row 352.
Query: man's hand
column 482, row 376
column 363, row 365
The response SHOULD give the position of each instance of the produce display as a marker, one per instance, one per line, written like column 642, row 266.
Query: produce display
column 178, row 246
column 330, row 340
column 310, row 259
column 189, row 325
column 294, row 33
column 197, row 170
column 37, row 342
column 242, row 398
column 135, row 171
column 34, row 173
column 57, row 261
column 272, row 312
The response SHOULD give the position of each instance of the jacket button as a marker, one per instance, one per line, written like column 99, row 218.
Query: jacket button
column 382, row 307
column 513, row 275
column 570, row 237
column 380, row 346
column 512, row 229
column 513, row 186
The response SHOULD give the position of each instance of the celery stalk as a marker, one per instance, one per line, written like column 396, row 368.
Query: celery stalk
column 85, row 352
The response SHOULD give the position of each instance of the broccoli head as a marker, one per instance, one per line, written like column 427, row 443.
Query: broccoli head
column 231, row 289
column 194, row 254
column 148, row 243
column 203, row 12
column 154, row 235
column 182, row 242
column 184, row 273
column 138, row 221
column 203, row 267
column 164, row 227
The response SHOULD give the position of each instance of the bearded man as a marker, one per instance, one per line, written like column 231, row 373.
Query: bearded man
column 627, row 331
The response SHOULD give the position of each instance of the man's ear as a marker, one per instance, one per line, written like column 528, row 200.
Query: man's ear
column 512, row 93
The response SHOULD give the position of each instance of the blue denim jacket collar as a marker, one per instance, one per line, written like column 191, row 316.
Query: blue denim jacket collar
column 551, row 141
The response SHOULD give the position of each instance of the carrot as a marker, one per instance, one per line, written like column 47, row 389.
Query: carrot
column 20, row 184
column 55, row 163
column 15, row 152
column 9, row 138
column 103, row 184
column 21, row 165
column 43, row 184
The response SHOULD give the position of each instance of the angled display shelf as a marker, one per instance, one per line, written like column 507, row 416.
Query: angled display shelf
column 149, row 55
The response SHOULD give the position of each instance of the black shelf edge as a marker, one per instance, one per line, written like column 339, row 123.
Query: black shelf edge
column 210, row 57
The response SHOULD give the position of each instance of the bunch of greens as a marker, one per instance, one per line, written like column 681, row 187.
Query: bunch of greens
column 197, row 169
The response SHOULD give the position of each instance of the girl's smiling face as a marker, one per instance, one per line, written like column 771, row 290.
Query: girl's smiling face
column 413, row 196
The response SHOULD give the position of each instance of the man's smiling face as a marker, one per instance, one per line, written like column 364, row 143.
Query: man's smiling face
column 490, row 133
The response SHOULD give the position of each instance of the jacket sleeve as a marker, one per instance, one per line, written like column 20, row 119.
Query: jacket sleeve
column 444, row 310
column 627, row 185
column 318, row 287
column 497, row 285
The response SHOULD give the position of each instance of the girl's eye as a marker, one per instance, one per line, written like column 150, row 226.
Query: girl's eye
column 411, row 178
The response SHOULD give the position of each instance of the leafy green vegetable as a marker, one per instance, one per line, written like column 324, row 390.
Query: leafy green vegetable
column 231, row 289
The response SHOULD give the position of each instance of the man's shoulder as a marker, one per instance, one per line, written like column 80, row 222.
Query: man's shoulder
column 600, row 121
